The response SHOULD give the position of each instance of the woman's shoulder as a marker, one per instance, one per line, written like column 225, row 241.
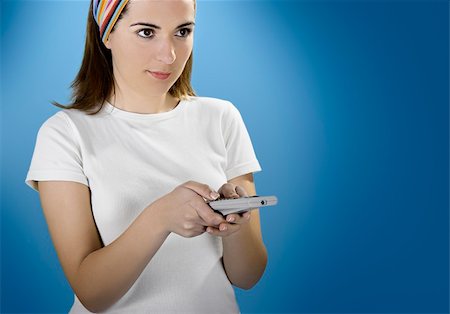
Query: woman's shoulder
column 212, row 104
column 58, row 120
column 63, row 120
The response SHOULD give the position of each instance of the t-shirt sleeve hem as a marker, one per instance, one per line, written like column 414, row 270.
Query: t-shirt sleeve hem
column 248, row 167
column 34, row 176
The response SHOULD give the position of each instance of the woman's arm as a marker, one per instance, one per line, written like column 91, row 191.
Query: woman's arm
column 98, row 275
column 244, row 253
column 101, row 275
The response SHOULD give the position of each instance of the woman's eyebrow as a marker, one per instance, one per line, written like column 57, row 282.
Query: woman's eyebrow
column 186, row 24
column 158, row 27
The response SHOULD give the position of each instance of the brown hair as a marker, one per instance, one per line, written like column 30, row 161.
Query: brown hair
column 95, row 80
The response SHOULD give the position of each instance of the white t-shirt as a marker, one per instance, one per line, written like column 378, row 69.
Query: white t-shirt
column 128, row 160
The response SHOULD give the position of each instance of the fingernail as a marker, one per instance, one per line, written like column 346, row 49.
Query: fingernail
column 223, row 228
column 214, row 195
column 209, row 230
column 230, row 219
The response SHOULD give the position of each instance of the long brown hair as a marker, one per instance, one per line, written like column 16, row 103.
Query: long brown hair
column 95, row 80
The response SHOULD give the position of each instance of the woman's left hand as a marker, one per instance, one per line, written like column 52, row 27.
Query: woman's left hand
column 234, row 221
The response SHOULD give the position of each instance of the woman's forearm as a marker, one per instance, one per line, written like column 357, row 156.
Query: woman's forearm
column 105, row 275
column 244, row 257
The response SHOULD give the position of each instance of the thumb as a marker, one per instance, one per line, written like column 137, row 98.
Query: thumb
column 201, row 189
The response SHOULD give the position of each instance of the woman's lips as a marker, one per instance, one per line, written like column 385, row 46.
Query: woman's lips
column 159, row 75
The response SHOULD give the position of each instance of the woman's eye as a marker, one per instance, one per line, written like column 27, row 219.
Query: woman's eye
column 184, row 32
column 146, row 33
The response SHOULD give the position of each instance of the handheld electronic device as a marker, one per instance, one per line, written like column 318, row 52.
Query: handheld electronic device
column 228, row 206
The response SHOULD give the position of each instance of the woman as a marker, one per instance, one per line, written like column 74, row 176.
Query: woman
column 130, row 235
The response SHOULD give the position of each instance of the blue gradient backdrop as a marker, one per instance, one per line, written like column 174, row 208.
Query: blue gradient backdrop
column 348, row 108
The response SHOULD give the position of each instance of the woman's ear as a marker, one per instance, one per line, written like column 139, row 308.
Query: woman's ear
column 108, row 43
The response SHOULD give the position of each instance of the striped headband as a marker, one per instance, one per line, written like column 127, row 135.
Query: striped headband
column 106, row 13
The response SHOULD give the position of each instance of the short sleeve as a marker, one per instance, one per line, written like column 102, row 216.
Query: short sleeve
column 57, row 154
column 241, row 158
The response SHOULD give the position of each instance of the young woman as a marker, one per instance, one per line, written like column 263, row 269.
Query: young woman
column 124, row 172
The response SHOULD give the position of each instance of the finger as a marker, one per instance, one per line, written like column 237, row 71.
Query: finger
column 224, row 230
column 202, row 189
column 241, row 191
column 232, row 218
column 228, row 191
column 198, row 229
column 195, row 231
column 209, row 216
column 238, row 218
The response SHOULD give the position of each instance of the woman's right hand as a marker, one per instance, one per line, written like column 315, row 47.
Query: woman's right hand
column 185, row 212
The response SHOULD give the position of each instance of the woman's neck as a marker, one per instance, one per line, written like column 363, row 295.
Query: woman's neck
column 143, row 104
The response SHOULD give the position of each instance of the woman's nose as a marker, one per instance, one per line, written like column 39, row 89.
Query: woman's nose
column 166, row 53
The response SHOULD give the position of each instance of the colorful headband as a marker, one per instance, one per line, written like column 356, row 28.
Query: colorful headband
column 106, row 13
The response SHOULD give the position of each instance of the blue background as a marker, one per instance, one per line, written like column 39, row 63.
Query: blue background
column 347, row 104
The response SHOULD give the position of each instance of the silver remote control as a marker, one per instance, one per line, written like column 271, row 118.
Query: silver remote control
column 228, row 206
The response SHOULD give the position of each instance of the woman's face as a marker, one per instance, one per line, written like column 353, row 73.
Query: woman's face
column 151, row 44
